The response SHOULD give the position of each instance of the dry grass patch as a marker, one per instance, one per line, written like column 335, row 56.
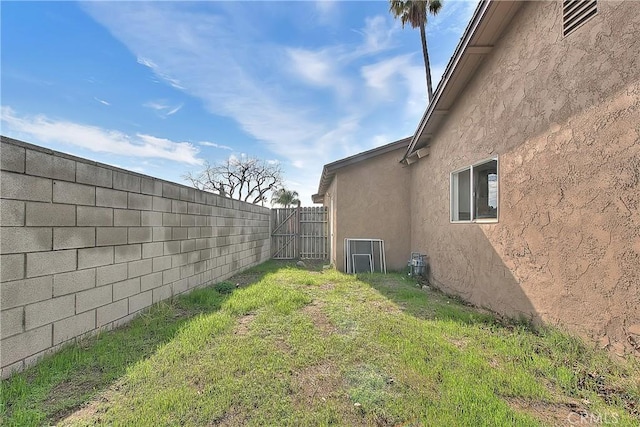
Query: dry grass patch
column 233, row 417
column 320, row 320
column 554, row 414
column 244, row 322
column 317, row 383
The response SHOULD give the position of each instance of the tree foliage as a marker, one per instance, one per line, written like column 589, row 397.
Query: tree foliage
column 246, row 178
column 284, row 197
column 415, row 13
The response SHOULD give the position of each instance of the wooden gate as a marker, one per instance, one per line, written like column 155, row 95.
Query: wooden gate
column 300, row 233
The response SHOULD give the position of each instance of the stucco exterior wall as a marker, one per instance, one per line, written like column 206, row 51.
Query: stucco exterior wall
column 86, row 246
column 371, row 200
column 563, row 117
column 331, row 202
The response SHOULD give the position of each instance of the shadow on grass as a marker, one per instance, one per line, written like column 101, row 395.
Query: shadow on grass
column 431, row 304
column 273, row 266
column 578, row 369
column 60, row 383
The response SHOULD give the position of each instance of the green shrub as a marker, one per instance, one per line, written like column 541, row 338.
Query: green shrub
column 224, row 287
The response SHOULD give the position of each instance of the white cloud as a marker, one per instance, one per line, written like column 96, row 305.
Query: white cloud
column 319, row 68
column 214, row 145
column 146, row 62
column 162, row 108
column 380, row 76
column 174, row 110
column 453, row 18
column 345, row 94
column 384, row 78
column 230, row 83
column 158, row 106
column 313, row 67
column 379, row 140
column 101, row 101
column 152, row 65
column 327, row 11
column 326, row 6
column 42, row 128
column 378, row 34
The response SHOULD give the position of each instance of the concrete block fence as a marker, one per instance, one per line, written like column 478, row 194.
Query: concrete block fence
column 85, row 246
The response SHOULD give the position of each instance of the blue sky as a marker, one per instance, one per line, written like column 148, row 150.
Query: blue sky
column 160, row 87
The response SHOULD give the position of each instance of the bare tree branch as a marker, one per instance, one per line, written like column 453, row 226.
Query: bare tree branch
column 246, row 178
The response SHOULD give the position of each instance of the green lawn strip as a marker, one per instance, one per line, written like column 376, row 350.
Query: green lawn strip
column 303, row 347
column 60, row 383
column 401, row 347
column 522, row 359
column 385, row 344
column 523, row 373
column 209, row 368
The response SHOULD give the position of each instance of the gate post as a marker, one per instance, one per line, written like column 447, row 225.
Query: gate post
column 298, row 229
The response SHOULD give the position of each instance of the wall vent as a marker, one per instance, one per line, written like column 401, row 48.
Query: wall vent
column 576, row 13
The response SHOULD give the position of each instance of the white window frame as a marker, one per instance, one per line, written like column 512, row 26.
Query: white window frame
column 472, row 195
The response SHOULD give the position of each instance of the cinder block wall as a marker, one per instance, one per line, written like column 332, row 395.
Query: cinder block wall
column 85, row 246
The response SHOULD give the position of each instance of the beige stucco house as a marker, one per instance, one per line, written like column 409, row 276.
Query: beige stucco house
column 523, row 176
column 368, row 197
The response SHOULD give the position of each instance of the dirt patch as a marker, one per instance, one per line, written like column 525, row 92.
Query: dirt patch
column 233, row 417
column 90, row 410
column 282, row 345
column 316, row 384
column 556, row 414
column 320, row 320
column 68, row 389
column 329, row 286
column 242, row 328
column 461, row 344
column 386, row 307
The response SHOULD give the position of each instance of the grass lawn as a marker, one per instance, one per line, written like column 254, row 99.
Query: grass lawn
column 300, row 347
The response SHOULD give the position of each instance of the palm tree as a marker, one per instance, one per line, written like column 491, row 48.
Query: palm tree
column 415, row 13
column 284, row 197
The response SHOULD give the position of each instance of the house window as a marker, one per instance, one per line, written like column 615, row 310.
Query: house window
column 577, row 12
column 474, row 193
